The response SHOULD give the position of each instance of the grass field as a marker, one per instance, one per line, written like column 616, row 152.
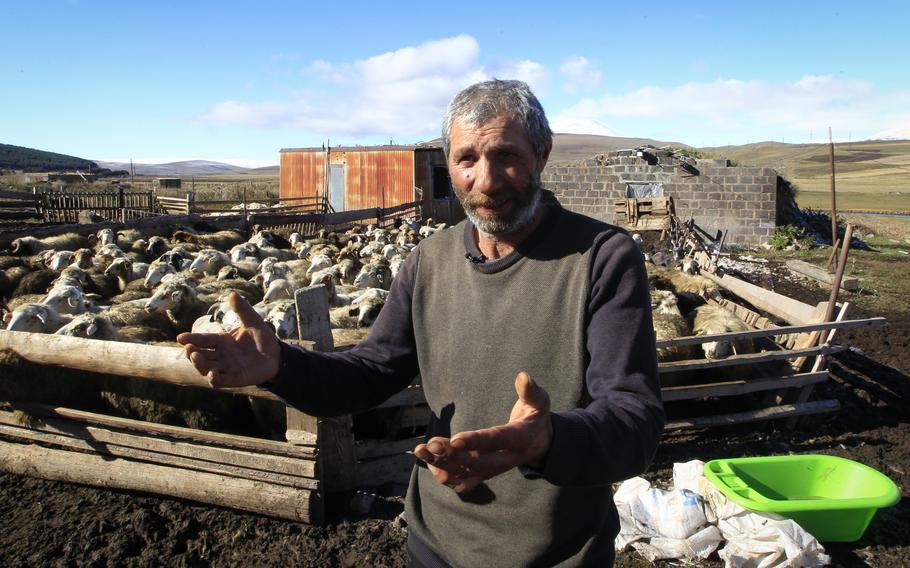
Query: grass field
column 889, row 255
column 869, row 176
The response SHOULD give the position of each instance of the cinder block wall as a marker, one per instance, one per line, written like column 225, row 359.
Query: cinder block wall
column 740, row 200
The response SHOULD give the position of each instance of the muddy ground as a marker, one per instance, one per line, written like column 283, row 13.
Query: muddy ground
column 45, row 523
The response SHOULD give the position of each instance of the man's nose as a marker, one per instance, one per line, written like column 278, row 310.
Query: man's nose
column 486, row 175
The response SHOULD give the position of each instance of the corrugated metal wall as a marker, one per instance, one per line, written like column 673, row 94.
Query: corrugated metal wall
column 302, row 173
column 384, row 177
column 378, row 178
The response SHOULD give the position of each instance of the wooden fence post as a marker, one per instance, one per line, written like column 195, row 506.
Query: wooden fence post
column 121, row 205
column 337, row 463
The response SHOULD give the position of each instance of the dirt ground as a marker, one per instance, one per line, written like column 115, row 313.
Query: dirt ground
column 45, row 523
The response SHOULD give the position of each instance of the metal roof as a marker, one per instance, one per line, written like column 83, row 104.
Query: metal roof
column 381, row 148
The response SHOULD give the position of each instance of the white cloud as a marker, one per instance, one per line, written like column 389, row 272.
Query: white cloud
column 398, row 93
column 580, row 74
column 741, row 109
column 576, row 125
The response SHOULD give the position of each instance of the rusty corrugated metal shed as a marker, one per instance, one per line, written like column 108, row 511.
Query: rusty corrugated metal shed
column 366, row 148
column 302, row 173
column 373, row 176
column 381, row 178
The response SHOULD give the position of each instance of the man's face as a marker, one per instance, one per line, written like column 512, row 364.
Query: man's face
column 495, row 174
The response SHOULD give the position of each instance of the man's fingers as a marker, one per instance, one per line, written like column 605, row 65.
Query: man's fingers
column 530, row 392
column 505, row 437
column 201, row 340
column 203, row 361
column 243, row 309
column 434, row 451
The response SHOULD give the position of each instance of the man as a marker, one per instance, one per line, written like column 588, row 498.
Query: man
column 531, row 329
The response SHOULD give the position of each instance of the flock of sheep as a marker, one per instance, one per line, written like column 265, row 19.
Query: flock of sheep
column 130, row 286
column 133, row 286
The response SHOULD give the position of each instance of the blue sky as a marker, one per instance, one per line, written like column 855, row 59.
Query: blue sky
column 237, row 81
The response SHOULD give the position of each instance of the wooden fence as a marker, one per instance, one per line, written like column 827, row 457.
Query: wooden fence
column 18, row 205
column 119, row 206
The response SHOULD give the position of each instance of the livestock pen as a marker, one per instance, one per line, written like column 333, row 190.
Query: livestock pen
column 289, row 476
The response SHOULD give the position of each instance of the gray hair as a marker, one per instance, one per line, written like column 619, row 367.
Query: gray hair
column 482, row 102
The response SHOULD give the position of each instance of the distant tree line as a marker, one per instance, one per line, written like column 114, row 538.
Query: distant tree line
column 19, row 158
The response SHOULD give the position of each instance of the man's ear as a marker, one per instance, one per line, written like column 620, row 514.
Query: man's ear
column 545, row 157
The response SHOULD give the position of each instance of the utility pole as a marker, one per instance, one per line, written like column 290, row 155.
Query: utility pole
column 833, row 198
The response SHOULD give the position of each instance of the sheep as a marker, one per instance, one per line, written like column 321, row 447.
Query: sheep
column 691, row 289
column 347, row 269
column 282, row 316
column 179, row 299
column 250, row 291
column 671, row 326
column 209, row 262
column 36, row 282
column 35, row 318
column 132, row 314
column 91, row 326
column 280, row 289
column 68, row 300
column 156, row 247
column 13, row 277
column 664, row 302
column 28, row 245
column 374, row 276
column 395, row 264
column 682, row 283
column 221, row 240
column 156, row 272
column 711, row 319
column 106, row 237
column 6, row 284
column 122, row 270
column 83, row 258
column 60, row 260
column 368, row 305
column 269, row 239
column 318, row 262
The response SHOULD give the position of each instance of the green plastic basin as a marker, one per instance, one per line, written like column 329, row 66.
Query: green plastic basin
column 832, row 498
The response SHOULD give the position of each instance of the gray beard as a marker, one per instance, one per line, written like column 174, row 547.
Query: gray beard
column 522, row 216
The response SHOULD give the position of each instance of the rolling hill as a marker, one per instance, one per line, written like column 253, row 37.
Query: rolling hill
column 185, row 168
column 869, row 175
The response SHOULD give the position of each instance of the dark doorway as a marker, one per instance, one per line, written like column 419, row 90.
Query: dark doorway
column 442, row 184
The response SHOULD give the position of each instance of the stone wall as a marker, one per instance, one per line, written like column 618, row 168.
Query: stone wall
column 720, row 197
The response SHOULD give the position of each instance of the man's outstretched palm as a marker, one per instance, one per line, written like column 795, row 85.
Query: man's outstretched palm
column 245, row 356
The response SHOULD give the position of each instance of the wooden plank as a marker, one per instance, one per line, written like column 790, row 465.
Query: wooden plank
column 336, row 449
column 313, row 317
column 757, row 333
column 89, row 444
column 175, row 432
column 749, row 359
column 254, row 496
column 732, row 388
column 778, row 305
column 818, row 273
column 771, row 413
column 157, row 363
column 369, row 449
column 390, row 469
column 242, row 458
column 821, row 361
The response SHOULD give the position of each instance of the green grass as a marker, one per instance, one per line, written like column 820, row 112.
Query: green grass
column 881, row 270
column 854, row 201
column 869, row 176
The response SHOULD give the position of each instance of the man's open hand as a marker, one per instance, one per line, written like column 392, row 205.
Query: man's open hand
column 466, row 459
column 245, row 356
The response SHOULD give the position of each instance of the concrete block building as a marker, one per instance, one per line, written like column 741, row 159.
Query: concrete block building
column 741, row 201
